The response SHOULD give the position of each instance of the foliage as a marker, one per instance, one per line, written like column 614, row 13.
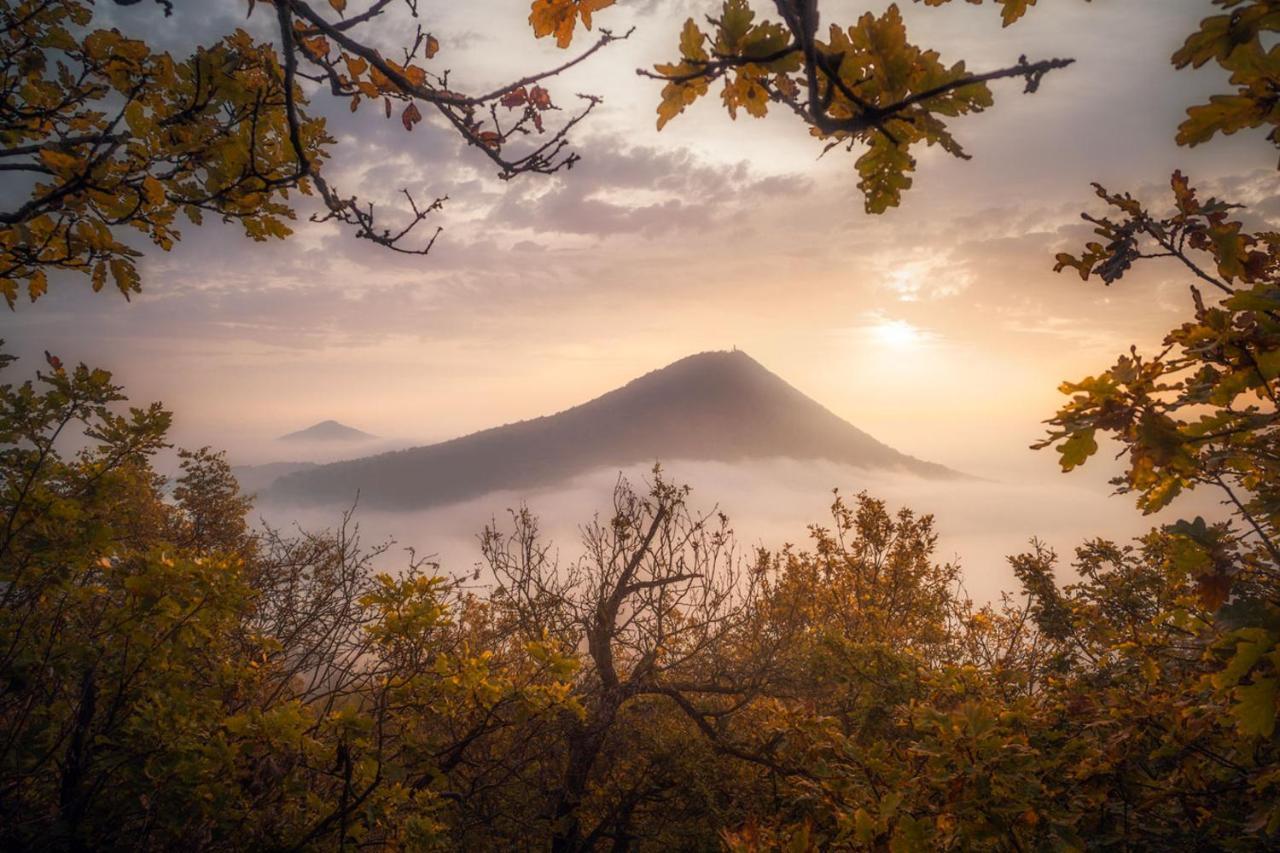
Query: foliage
column 1234, row 41
column 172, row 677
column 168, row 679
column 114, row 137
column 1202, row 413
column 865, row 84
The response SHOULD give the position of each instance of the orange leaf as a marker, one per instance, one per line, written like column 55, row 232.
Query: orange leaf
column 416, row 74
column 355, row 65
column 558, row 17
column 317, row 46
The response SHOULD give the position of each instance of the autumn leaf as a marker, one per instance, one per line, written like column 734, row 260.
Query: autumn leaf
column 410, row 116
column 1066, row 259
column 884, row 169
column 317, row 46
column 1255, row 708
column 1228, row 248
column 356, row 65
column 1012, row 10
column 559, row 17
column 37, row 284
column 153, row 190
column 58, row 161
column 676, row 95
column 540, row 98
column 1077, row 449
column 125, row 275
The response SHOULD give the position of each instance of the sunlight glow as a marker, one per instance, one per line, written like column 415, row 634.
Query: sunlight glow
column 898, row 334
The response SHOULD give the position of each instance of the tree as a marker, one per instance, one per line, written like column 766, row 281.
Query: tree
column 170, row 679
column 1202, row 413
column 116, row 136
column 1137, row 706
column 661, row 606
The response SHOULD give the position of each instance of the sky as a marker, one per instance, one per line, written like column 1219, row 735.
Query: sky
column 939, row 327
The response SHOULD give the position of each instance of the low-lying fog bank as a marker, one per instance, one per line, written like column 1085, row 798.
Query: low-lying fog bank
column 771, row 502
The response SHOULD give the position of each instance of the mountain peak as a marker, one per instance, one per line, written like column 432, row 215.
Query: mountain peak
column 712, row 406
column 715, row 359
column 329, row 430
column 713, row 366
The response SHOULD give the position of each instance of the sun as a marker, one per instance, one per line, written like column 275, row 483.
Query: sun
column 898, row 334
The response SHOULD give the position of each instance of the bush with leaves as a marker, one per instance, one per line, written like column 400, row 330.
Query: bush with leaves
column 1202, row 414
column 170, row 679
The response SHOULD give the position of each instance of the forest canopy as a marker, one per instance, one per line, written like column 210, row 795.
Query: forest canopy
column 174, row 676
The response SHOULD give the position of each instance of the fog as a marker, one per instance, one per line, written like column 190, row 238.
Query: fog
column 771, row 502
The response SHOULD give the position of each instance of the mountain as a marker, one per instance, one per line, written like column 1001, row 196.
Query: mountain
column 255, row 478
column 721, row 406
column 327, row 431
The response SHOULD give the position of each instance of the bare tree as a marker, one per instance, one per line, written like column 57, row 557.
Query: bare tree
column 660, row 606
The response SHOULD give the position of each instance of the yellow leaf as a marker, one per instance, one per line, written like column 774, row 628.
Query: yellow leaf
column 691, row 39
column 1255, row 709
column 126, row 277
column 37, row 285
column 58, row 161
column 153, row 190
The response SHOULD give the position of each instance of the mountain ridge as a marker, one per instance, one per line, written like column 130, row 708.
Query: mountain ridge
column 327, row 430
column 715, row 406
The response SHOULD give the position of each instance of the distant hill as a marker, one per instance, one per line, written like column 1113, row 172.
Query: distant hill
column 719, row 406
column 327, row 431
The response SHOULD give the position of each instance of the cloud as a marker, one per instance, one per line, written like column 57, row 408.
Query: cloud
column 641, row 190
